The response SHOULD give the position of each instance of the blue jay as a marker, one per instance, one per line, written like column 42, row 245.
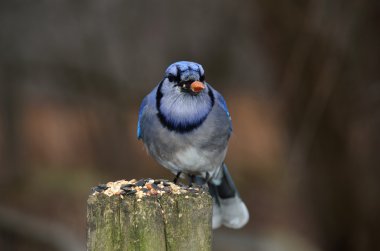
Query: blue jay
column 185, row 125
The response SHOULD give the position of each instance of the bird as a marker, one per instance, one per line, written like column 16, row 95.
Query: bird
column 185, row 125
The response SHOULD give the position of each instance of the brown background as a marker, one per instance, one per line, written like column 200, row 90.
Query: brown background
column 301, row 79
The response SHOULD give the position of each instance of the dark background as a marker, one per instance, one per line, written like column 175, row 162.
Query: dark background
column 301, row 79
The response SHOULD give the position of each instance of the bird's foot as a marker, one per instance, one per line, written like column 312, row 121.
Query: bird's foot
column 177, row 177
column 191, row 179
column 207, row 178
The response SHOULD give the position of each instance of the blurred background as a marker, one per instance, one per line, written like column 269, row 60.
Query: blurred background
column 301, row 78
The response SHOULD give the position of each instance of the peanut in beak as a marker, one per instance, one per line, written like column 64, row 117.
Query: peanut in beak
column 197, row 86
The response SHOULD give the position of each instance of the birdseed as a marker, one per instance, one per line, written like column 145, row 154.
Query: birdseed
column 144, row 187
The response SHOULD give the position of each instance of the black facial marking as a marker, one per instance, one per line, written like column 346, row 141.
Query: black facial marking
column 202, row 77
column 159, row 95
column 211, row 95
column 171, row 77
column 178, row 73
column 185, row 87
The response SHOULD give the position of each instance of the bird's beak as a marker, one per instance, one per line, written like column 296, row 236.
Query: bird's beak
column 197, row 86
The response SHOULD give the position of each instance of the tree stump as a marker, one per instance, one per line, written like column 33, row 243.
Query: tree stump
column 148, row 215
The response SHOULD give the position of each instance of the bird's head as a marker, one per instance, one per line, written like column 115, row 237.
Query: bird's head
column 183, row 97
column 185, row 77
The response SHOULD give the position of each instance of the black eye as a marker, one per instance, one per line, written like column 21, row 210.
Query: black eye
column 171, row 77
column 202, row 78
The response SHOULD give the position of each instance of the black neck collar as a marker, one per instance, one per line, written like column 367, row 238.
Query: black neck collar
column 180, row 128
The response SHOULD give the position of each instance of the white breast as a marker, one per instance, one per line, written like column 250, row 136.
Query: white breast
column 192, row 157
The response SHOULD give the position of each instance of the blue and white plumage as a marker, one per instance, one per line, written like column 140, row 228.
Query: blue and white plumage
column 185, row 125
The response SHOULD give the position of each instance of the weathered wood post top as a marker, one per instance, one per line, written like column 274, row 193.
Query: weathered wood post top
column 149, row 215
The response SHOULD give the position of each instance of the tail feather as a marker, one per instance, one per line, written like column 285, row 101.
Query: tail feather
column 229, row 210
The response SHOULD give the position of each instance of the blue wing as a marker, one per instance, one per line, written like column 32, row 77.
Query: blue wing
column 223, row 104
column 142, row 106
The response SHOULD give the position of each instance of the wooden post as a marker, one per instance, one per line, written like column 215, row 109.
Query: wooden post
column 158, row 215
